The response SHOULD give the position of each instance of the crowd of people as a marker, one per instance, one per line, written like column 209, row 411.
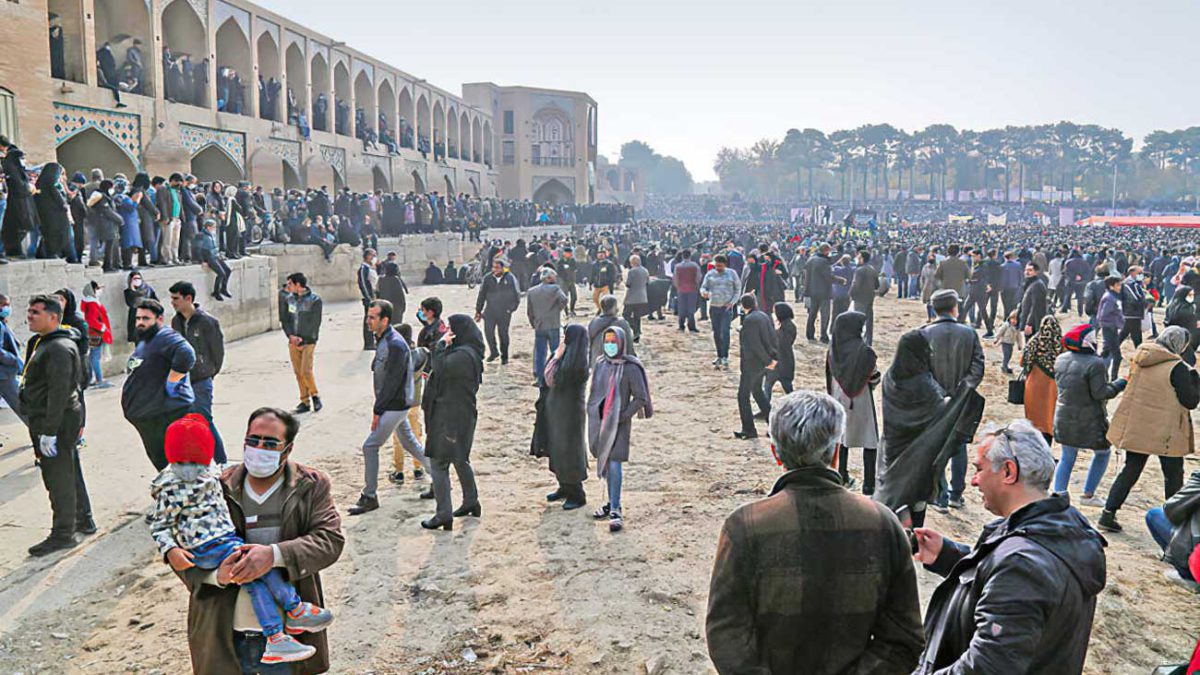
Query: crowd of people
column 1059, row 301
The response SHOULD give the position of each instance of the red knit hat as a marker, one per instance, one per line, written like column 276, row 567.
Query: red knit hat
column 1079, row 338
column 189, row 440
column 1194, row 563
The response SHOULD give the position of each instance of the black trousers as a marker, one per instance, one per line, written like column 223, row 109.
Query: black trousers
column 1131, row 329
column 493, row 324
column 1008, row 298
column 869, row 457
column 633, row 314
column 63, row 478
column 1076, row 291
column 839, row 305
column 751, row 384
column 154, row 432
column 821, row 307
column 867, row 308
column 1172, row 468
column 187, row 232
column 979, row 304
column 220, row 269
column 368, row 336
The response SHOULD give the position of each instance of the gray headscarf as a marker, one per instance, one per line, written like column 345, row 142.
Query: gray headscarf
column 1174, row 339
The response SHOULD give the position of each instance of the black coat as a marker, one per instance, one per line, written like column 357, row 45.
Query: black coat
column 560, row 426
column 1080, row 418
column 818, row 278
column 48, row 390
column 785, row 339
column 203, row 333
column 449, row 404
column 391, row 288
column 1033, row 304
column 52, row 214
column 1022, row 601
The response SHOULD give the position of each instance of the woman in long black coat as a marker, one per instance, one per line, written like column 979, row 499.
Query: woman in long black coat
column 450, row 417
column 785, row 339
column 51, row 206
column 136, row 290
column 561, row 422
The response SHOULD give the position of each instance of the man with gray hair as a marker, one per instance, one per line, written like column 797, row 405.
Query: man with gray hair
column 814, row 578
column 1021, row 601
column 544, row 305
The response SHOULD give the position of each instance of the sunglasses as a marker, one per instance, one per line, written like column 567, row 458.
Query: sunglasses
column 265, row 442
column 1008, row 435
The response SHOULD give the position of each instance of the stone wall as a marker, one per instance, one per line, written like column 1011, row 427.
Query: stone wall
column 255, row 282
column 254, row 308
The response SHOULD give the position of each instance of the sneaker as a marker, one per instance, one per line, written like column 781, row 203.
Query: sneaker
column 283, row 648
column 956, row 503
column 716, row 361
column 307, row 618
column 615, row 522
column 1176, row 578
column 396, row 477
column 940, row 508
column 51, row 544
column 1092, row 501
column 301, row 409
column 1108, row 522
column 317, row 404
column 365, row 504
column 988, row 335
column 601, row 513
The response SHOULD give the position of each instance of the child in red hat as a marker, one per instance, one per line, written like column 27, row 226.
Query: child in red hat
column 192, row 527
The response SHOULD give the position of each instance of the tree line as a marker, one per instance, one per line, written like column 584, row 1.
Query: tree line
column 866, row 162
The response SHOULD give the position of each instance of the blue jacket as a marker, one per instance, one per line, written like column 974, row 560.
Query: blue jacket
column 843, row 272
column 131, row 233
column 1110, row 315
column 145, row 392
column 1011, row 273
column 10, row 354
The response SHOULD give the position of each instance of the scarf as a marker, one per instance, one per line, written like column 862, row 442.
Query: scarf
column 1044, row 347
column 851, row 360
column 467, row 338
column 574, row 356
column 608, row 373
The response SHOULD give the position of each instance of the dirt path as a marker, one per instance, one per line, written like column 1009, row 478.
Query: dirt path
column 527, row 588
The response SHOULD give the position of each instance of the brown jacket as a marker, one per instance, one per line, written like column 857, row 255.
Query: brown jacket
column 1149, row 417
column 311, row 540
column 815, row 580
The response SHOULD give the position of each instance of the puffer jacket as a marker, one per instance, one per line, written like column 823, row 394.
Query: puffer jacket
column 1080, row 417
column 1022, row 601
column 1183, row 510
column 1152, row 417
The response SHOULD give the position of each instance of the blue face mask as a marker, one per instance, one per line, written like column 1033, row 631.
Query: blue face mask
column 6, row 312
column 610, row 348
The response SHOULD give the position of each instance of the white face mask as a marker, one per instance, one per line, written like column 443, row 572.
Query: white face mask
column 261, row 463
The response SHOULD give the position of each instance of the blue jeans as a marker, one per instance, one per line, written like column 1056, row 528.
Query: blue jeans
column 1062, row 475
column 615, row 477
column 1161, row 529
column 267, row 593
column 722, row 321
column 544, row 343
column 914, row 286
column 72, row 256
column 203, row 390
column 958, row 477
column 94, row 356
column 9, row 391
column 686, row 309
column 249, row 648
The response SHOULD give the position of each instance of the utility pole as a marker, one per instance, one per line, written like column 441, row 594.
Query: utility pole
column 1114, row 188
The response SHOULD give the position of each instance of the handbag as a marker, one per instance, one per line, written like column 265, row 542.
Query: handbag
column 1016, row 391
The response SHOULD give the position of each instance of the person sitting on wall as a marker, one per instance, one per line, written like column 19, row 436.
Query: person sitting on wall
column 433, row 275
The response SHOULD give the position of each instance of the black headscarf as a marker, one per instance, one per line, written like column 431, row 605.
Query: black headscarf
column 913, row 356
column 573, row 366
column 783, row 312
column 851, row 360
column 48, row 178
column 468, row 338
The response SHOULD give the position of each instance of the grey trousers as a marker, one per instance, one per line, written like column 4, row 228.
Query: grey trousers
column 867, row 308
column 392, row 421
column 440, row 473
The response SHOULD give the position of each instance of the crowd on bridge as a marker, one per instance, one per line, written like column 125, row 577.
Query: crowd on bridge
column 1060, row 301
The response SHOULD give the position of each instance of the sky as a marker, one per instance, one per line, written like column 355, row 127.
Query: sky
column 691, row 77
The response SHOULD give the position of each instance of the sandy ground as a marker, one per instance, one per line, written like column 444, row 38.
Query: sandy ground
column 527, row 588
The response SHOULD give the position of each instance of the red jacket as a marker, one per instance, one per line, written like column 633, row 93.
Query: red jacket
column 97, row 320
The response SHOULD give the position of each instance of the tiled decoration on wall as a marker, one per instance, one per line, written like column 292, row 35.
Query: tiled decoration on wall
column 233, row 143
column 124, row 129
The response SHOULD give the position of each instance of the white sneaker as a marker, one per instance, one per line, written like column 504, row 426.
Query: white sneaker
column 1174, row 577
column 1092, row 501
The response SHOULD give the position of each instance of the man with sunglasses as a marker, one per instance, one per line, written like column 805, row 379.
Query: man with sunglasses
column 302, row 539
column 1023, row 600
